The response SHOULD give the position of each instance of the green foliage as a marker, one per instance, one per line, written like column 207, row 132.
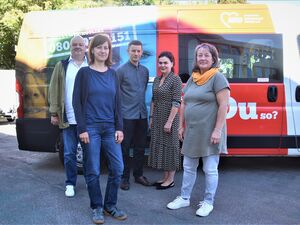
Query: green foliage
column 232, row 1
column 134, row 2
column 12, row 14
column 81, row 4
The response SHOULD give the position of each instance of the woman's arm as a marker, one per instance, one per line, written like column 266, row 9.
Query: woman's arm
column 119, row 136
column 223, row 101
column 79, row 99
column 168, row 125
column 151, row 114
column 118, row 110
column 176, row 99
column 181, row 121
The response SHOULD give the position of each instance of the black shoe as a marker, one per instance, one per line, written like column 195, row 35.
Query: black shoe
column 143, row 181
column 160, row 187
column 125, row 185
column 157, row 183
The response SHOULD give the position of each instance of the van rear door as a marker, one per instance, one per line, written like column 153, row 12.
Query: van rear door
column 291, row 141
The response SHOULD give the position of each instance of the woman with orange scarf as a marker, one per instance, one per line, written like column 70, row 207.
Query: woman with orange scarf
column 202, row 127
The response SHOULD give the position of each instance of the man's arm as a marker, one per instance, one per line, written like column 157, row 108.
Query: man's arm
column 53, row 94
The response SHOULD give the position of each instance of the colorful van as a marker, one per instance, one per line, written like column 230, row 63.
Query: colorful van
column 259, row 55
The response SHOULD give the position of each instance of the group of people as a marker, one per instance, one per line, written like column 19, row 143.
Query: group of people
column 104, row 109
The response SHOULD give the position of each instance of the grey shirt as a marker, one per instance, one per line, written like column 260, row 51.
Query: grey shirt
column 133, row 84
column 200, row 115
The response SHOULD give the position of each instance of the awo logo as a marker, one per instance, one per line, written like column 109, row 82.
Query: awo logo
column 248, row 111
column 229, row 19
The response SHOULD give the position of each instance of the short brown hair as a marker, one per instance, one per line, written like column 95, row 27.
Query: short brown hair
column 213, row 51
column 135, row 42
column 100, row 39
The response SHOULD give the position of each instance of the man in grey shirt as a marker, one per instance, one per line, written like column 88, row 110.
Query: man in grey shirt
column 133, row 79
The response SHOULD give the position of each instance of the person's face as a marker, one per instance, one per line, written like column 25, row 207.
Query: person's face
column 101, row 52
column 204, row 59
column 78, row 48
column 135, row 53
column 165, row 65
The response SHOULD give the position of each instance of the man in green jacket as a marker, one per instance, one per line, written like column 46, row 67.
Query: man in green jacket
column 61, row 109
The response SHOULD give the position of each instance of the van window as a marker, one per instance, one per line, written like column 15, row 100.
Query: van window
column 243, row 57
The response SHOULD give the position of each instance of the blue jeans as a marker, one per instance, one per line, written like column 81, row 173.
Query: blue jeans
column 71, row 140
column 102, row 138
column 210, row 169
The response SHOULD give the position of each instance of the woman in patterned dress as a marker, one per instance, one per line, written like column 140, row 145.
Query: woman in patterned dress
column 164, row 121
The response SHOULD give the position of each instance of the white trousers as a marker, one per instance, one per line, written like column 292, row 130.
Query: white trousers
column 210, row 169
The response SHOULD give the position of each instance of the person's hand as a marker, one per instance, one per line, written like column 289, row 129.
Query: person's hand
column 180, row 133
column 216, row 136
column 150, row 123
column 84, row 137
column 167, row 127
column 54, row 120
column 119, row 136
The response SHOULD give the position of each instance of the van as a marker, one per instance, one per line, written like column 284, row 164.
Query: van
column 259, row 54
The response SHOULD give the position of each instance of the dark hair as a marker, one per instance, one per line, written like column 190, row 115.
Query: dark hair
column 170, row 56
column 135, row 42
column 213, row 51
column 100, row 39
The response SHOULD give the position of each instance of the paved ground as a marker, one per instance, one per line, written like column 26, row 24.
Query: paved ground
column 251, row 191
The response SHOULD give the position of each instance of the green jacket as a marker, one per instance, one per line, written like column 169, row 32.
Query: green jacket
column 56, row 94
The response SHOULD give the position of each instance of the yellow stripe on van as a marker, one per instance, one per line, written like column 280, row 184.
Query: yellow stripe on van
column 224, row 19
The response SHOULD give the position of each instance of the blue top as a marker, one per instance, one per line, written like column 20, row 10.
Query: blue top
column 96, row 98
column 133, row 84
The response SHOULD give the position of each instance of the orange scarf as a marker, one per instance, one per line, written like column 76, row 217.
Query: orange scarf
column 201, row 79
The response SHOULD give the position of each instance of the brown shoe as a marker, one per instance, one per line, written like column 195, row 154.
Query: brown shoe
column 143, row 181
column 125, row 185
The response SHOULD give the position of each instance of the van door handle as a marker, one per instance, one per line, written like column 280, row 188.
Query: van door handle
column 272, row 93
column 297, row 93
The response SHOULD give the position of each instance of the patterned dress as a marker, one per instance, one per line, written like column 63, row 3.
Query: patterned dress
column 164, row 147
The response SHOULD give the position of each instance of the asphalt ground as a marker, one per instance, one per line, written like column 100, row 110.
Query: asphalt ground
column 253, row 190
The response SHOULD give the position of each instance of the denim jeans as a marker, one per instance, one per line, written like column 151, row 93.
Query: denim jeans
column 71, row 140
column 210, row 169
column 135, row 135
column 102, row 138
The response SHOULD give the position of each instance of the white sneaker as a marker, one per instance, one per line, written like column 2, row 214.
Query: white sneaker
column 205, row 209
column 178, row 203
column 70, row 192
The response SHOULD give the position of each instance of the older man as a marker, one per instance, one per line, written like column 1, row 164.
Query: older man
column 61, row 109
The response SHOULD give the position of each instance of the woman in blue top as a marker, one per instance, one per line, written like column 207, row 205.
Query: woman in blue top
column 96, row 105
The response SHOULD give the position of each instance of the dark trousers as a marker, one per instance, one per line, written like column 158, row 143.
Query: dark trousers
column 135, row 137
